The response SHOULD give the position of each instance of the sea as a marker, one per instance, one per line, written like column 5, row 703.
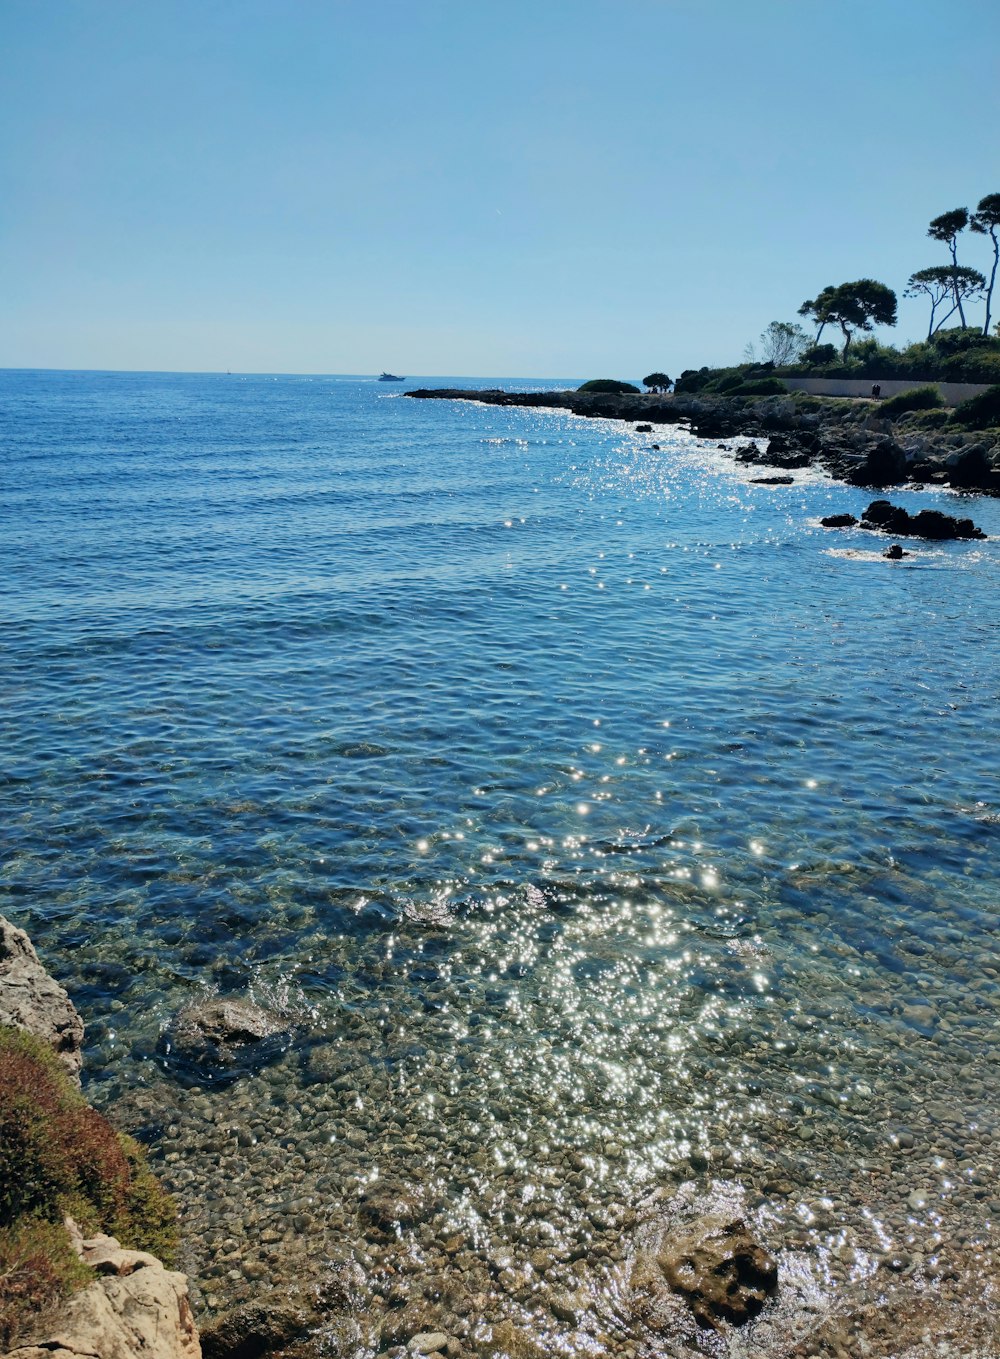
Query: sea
column 595, row 827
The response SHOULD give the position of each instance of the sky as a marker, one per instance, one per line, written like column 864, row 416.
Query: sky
column 561, row 188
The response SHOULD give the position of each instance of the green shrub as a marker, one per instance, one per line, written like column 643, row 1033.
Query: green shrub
column 57, row 1157
column 694, row 379
column 761, row 387
column 979, row 412
column 917, row 399
column 608, row 385
column 934, row 419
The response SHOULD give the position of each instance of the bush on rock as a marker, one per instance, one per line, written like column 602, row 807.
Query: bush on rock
column 59, row 1157
column 981, row 411
column 917, row 399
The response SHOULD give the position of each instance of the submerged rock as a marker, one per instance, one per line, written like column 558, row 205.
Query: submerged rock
column 31, row 999
column 261, row 1327
column 723, row 1271
column 223, row 1038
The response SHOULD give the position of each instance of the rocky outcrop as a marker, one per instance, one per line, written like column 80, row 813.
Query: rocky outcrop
column 888, row 518
column 135, row 1308
column 698, row 1262
column 31, row 999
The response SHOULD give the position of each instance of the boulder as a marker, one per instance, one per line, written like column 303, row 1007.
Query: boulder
column 789, row 450
column 260, row 1327
column 388, row 1207
column 970, row 467
column 722, row 1270
column 839, row 521
column 136, row 1308
column 221, row 1039
column 30, row 999
column 772, row 481
column 884, row 464
column 933, row 524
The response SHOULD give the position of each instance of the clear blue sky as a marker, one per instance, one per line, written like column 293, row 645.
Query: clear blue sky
column 554, row 187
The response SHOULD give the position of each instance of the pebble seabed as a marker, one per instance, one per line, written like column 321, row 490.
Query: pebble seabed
column 505, row 1107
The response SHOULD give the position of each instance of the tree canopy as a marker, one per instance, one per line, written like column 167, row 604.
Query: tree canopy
column 860, row 305
column 608, row 385
column 819, row 309
column 946, row 229
column 944, row 283
column 656, row 382
column 986, row 222
column 782, row 342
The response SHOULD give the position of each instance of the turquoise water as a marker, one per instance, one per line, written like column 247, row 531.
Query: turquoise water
column 592, row 816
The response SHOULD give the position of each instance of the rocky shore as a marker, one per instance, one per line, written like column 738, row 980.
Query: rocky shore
column 851, row 440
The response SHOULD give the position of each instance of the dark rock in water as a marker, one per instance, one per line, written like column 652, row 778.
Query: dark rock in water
column 839, row 521
column 359, row 750
column 389, row 1207
column 788, row 450
column 772, row 481
column 725, row 1274
column 895, row 553
column 30, row 999
column 933, row 524
column 223, row 1039
column 261, row 1327
column 644, row 429
column 655, row 447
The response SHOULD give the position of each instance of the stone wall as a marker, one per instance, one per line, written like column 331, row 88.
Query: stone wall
column 952, row 392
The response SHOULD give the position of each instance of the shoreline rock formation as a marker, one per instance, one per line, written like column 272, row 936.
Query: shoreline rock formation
column 32, row 1000
column 850, row 440
column 136, row 1307
column 884, row 517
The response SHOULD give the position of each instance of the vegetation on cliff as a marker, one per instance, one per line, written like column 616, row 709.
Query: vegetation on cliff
column 59, row 1158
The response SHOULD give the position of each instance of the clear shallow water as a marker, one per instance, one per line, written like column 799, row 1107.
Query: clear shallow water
column 597, row 820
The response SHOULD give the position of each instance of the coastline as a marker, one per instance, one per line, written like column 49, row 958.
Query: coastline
column 849, row 440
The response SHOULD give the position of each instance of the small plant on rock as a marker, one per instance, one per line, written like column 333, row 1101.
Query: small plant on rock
column 59, row 1157
column 917, row 399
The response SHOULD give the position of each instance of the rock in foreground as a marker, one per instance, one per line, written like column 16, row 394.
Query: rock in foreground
column 30, row 999
column 135, row 1308
column 725, row 1274
column 222, row 1039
